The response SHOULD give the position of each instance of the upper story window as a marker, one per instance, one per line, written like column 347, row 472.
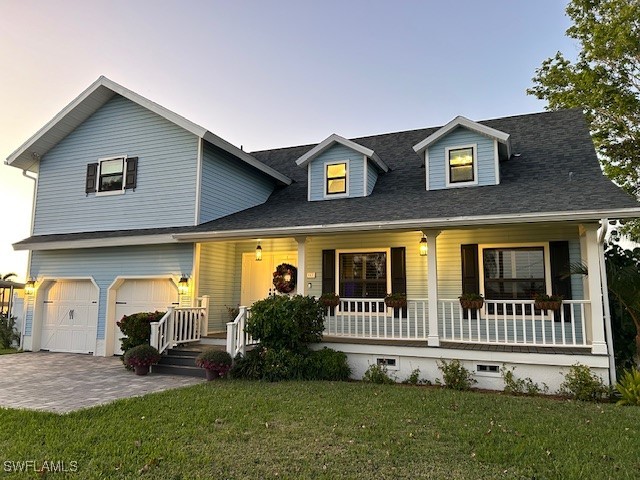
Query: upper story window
column 336, row 178
column 111, row 177
column 461, row 165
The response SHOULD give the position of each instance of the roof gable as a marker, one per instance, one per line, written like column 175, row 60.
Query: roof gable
column 28, row 155
column 461, row 121
column 333, row 139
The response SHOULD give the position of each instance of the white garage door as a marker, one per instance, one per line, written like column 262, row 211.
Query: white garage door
column 70, row 317
column 142, row 295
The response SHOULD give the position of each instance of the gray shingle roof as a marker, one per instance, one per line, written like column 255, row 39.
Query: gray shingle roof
column 551, row 145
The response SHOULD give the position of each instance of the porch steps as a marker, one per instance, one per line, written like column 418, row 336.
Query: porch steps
column 181, row 360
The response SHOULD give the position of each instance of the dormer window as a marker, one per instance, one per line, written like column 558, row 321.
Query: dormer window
column 461, row 165
column 111, row 175
column 336, row 178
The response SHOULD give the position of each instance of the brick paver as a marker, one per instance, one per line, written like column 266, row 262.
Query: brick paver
column 63, row 382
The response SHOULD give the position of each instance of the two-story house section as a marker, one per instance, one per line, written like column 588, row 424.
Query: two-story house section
column 138, row 209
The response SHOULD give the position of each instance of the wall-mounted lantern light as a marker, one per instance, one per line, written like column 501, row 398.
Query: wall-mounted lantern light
column 259, row 252
column 30, row 287
column 183, row 285
column 423, row 246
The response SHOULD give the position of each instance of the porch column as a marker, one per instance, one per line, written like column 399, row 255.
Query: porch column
column 433, row 339
column 302, row 270
column 594, row 290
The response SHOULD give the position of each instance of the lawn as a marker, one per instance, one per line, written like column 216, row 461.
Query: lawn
column 237, row 429
column 5, row 351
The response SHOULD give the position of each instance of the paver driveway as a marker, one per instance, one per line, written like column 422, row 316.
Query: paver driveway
column 63, row 382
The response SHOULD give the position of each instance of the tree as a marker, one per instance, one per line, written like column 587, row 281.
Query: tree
column 605, row 82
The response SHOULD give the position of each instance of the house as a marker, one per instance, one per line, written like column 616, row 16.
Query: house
column 137, row 208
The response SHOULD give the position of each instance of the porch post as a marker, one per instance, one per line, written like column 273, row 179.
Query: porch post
column 433, row 339
column 302, row 270
column 594, row 283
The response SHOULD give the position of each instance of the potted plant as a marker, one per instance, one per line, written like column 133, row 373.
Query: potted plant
column 395, row 300
column 329, row 299
column 217, row 363
column 547, row 302
column 471, row 301
column 141, row 358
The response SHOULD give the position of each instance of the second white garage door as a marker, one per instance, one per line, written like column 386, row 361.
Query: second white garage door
column 142, row 295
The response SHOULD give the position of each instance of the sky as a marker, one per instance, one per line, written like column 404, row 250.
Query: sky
column 266, row 74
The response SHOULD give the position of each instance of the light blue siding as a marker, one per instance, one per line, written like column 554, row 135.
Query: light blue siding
column 105, row 264
column 167, row 164
column 336, row 154
column 462, row 136
column 372, row 176
column 229, row 185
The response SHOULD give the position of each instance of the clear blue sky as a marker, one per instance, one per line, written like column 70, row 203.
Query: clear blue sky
column 266, row 74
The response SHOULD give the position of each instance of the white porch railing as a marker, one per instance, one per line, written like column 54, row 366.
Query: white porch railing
column 513, row 322
column 372, row 319
column 180, row 325
column 237, row 338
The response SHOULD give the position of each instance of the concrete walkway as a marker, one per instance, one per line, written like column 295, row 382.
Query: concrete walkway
column 63, row 382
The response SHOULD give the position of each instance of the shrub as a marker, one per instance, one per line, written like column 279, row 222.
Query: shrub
column 217, row 361
column 377, row 374
column 289, row 323
column 250, row 366
column 282, row 364
column 582, row 384
column 629, row 387
column 520, row 386
column 327, row 364
column 8, row 333
column 455, row 375
column 141, row 356
column 137, row 328
column 414, row 378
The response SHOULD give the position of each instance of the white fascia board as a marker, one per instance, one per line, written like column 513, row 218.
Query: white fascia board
column 335, row 138
column 413, row 224
column 221, row 143
column 461, row 121
column 97, row 242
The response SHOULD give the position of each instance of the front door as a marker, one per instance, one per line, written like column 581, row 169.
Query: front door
column 257, row 276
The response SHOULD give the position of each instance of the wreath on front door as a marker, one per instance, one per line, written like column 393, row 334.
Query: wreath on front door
column 284, row 278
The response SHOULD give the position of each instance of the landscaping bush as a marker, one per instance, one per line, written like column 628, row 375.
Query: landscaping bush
column 327, row 364
column 289, row 323
column 249, row 366
column 217, row 361
column 141, row 356
column 629, row 388
column 377, row 374
column 137, row 328
column 414, row 378
column 282, row 364
column 520, row 386
column 582, row 384
column 455, row 375
column 8, row 333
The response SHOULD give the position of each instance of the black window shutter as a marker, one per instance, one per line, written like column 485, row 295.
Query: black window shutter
column 131, row 173
column 470, row 273
column 329, row 271
column 399, row 274
column 470, row 270
column 92, row 178
column 560, row 265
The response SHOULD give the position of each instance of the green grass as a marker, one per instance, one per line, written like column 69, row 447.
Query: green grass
column 6, row 351
column 236, row 429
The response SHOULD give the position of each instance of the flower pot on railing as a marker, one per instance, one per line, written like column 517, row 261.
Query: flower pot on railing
column 329, row 300
column 396, row 300
column 548, row 302
column 471, row 301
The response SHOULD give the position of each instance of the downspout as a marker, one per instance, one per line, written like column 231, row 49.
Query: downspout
column 602, row 233
column 26, row 298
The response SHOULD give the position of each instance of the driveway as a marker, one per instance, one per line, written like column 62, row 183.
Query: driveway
column 63, row 382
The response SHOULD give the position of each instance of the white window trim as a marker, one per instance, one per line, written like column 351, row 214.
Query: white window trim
column 124, row 175
column 324, row 186
column 363, row 250
column 447, row 167
column 547, row 260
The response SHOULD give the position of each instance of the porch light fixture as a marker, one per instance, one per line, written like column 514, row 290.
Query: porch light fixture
column 258, row 253
column 30, row 287
column 183, row 285
column 423, row 246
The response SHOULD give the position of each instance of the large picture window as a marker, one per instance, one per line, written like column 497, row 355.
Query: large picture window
column 513, row 273
column 363, row 275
